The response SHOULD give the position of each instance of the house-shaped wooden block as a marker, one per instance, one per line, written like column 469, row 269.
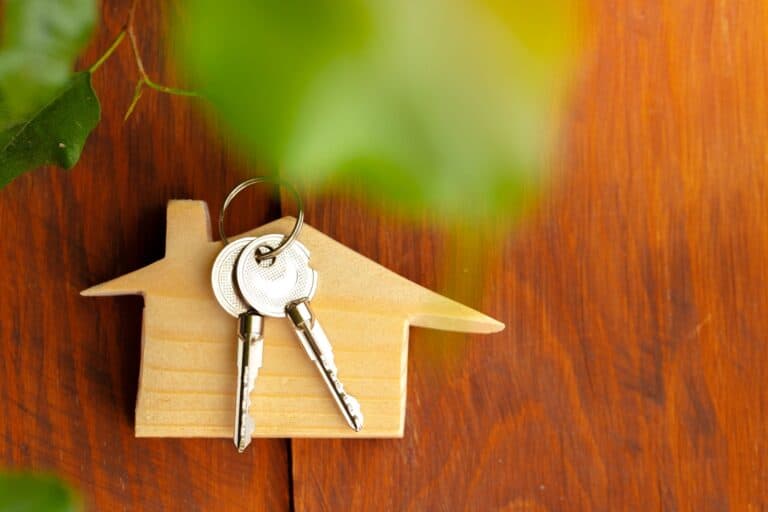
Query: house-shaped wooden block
column 186, row 383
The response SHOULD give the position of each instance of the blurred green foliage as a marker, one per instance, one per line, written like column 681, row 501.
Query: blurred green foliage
column 46, row 111
column 27, row 492
column 40, row 41
column 444, row 104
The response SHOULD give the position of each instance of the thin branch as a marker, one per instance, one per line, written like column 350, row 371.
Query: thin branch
column 119, row 39
column 169, row 90
column 145, row 80
column 132, row 37
column 136, row 95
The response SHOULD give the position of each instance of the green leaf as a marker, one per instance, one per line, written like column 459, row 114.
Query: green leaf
column 55, row 134
column 440, row 104
column 27, row 492
column 40, row 41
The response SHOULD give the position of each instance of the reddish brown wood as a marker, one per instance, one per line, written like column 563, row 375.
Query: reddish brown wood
column 69, row 364
column 631, row 375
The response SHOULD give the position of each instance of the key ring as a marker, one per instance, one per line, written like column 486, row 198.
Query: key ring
column 271, row 253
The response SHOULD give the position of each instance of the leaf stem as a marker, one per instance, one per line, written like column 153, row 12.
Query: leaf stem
column 107, row 54
column 169, row 90
column 136, row 95
column 144, row 77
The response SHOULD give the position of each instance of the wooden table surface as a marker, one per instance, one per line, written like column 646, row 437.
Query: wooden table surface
column 632, row 372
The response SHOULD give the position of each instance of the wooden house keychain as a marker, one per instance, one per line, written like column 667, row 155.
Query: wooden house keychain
column 188, row 383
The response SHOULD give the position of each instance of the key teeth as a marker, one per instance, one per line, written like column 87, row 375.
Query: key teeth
column 329, row 364
column 247, row 429
column 250, row 426
column 351, row 403
column 357, row 420
column 247, row 425
column 355, row 411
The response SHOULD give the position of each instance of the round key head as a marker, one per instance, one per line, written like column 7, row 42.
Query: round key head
column 269, row 285
column 223, row 277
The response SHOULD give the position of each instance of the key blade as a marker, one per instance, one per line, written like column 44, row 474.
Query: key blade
column 319, row 349
column 251, row 327
column 239, row 436
column 250, row 346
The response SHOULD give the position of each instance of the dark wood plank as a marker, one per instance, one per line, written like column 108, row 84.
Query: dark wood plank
column 630, row 376
column 69, row 365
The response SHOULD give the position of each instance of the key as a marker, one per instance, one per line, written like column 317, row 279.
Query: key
column 283, row 286
column 250, row 343
column 319, row 350
column 250, row 348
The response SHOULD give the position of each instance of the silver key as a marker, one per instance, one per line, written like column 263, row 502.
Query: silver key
column 250, row 343
column 284, row 286
column 250, row 348
column 223, row 277
column 319, row 350
column 268, row 285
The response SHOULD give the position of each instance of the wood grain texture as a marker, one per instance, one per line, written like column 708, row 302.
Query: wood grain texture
column 188, row 347
column 631, row 374
column 69, row 364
